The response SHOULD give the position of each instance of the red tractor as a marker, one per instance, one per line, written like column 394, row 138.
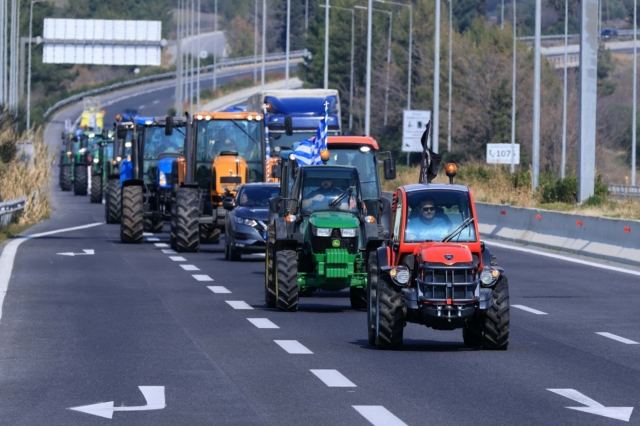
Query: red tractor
column 434, row 270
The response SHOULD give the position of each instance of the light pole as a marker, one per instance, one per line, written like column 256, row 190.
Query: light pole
column 255, row 41
column 198, row 55
column 449, row 86
column 635, row 94
column 215, row 59
column 264, row 41
column 563, row 156
column 179, row 86
column 367, row 102
column 29, row 64
column 288, row 45
column 535, row 140
column 436, row 81
column 326, row 44
column 513, row 90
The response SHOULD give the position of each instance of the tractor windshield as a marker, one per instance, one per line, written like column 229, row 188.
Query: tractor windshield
column 157, row 143
column 330, row 189
column 240, row 136
column 432, row 215
column 363, row 160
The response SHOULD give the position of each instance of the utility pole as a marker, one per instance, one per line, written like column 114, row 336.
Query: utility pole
column 255, row 42
column 502, row 14
column 326, row 44
column 386, row 89
column 306, row 16
column 13, row 60
column 449, row 86
column 199, row 44
column 264, row 40
column 513, row 89
column 3, row 52
column 367, row 102
column 535, row 142
column 29, row 64
column 635, row 94
column 563, row 157
column 436, row 81
column 288, row 45
column 178, row 90
column 215, row 56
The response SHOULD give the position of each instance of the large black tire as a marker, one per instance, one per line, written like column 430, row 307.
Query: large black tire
column 390, row 314
column 112, row 201
column 269, row 279
column 372, row 287
column 358, row 298
column 173, row 228
column 490, row 330
column 286, row 280
column 96, row 189
column 187, row 231
column 209, row 234
column 132, row 215
column 231, row 253
column 153, row 225
column 80, row 181
column 65, row 177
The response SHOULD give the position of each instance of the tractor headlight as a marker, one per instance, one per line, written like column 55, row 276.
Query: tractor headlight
column 348, row 232
column 244, row 221
column 82, row 150
column 162, row 179
column 400, row 274
column 323, row 232
column 489, row 276
column 96, row 160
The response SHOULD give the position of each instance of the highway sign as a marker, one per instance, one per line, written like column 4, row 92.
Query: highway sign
column 413, row 124
column 500, row 153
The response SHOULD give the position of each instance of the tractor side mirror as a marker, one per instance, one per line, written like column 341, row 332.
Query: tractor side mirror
column 389, row 169
column 288, row 125
column 168, row 126
column 229, row 203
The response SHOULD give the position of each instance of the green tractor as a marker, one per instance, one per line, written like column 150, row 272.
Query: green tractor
column 121, row 152
column 66, row 162
column 101, row 157
column 319, row 236
column 74, row 163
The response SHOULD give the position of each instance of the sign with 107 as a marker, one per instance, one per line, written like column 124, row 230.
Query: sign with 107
column 501, row 153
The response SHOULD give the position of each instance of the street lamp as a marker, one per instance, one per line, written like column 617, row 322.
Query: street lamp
column 288, row 45
column 449, row 87
column 513, row 91
column 29, row 66
column 563, row 158
column 326, row 44
column 367, row 103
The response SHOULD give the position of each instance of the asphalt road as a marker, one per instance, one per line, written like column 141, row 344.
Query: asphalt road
column 85, row 329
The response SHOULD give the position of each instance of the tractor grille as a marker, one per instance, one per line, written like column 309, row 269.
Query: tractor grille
column 450, row 284
column 321, row 244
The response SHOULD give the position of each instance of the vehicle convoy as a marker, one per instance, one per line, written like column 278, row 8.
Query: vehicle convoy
column 223, row 151
column 147, row 187
column 435, row 271
column 246, row 225
column 319, row 236
column 122, row 148
column 293, row 115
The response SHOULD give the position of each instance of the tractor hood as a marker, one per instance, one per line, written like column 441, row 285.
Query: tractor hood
column 334, row 220
column 445, row 253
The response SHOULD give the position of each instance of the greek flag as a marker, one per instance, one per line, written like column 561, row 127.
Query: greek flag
column 307, row 153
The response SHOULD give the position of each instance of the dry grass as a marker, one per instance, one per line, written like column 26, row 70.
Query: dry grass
column 28, row 178
column 497, row 186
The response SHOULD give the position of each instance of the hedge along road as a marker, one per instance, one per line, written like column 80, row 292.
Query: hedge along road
column 86, row 329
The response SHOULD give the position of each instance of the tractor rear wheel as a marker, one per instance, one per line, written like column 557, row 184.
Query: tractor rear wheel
column 372, row 287
column 495, row 327
column 80, row 182
column 65, row 177
column 287, row 280
column 112, row 201
column 96, row 189
column 153, row 224
column 358, row 298
column 269, row 284
column 132, row 215
column 209, row 234
column 173, row 228
column 187, row 231
column 390, row 315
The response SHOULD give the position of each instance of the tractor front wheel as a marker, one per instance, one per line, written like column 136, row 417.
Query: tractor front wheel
column 132, row 215
column 389, row 315
column 187, row 230
column 209, row 234
column 372, row 299
column 287, row 280
column 495, row 328
column 96, row 189
column 65, row 177
column 80, row 181
column 269, row 285
column 112, row 201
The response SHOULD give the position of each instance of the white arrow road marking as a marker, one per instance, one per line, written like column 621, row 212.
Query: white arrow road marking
column 528, row 309
column 218, row 289
column 333, row 379
column 202, row 277
column 239, row 304
column 177, row 258
column 378, row 415
column 161, row 245
column 262, row 322
column 617, row 338
column 293, row 347
column 86, row 252
column 594, row 407
column 169, row 251
column 190, row 267
column 153, row 395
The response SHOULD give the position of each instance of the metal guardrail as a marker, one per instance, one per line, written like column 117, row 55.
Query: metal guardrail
column 227, row 63
column 624, row 191
column 9, row 211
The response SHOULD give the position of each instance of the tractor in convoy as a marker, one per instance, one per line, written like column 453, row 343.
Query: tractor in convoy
column 75, row 159
column 319, row 235
column 65, row 162
column 147, row 187
column 122, row 148
column 434, row 270
column 223, row 151
column 101, row 148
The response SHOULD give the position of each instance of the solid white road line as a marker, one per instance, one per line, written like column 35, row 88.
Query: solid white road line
column 239, row 304
column 377, row 415
column 333, row 379
column 530, row 310
column 564, row 258
column 218, row 289
column 293, row 347
column 161, row 245
column 190, row 267
column 202, row 277
column 617, row 338
column 169, row 251
column 9, row 254
column 262, row 322
column 153, row 239
column 177, row 258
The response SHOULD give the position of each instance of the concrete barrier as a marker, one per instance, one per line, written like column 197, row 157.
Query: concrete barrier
column 612, row 239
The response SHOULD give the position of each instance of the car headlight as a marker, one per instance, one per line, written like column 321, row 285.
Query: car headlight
column 323, row 232
column 244, row 221
column 162, row 178
column 489, row 276
column 348, row 232
column 400, row 274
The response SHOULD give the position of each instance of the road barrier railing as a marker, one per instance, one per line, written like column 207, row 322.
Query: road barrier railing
column 624, row 191
column 10, row 210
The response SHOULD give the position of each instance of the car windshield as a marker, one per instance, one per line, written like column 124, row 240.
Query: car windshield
column 157, row 143
column 432, row 215
column 364, row 161
column 257, row 196
column 336, row 190
column 240, row 136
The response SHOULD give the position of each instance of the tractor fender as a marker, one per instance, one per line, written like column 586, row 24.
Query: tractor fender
column 372, row 235
column 383, row 256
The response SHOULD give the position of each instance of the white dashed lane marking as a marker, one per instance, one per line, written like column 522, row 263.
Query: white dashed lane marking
column 262, row 322
column 333, row 379
column 377, row 415
column 147, row 234
column 239, row 304
column 190, row 267
column 617, row 338
column 153, row 239
column 161, row 245
column 528, row 309
column 169, row 251
column 202, row 277
column 293, row 347
column 218, row 289
column 177, row 258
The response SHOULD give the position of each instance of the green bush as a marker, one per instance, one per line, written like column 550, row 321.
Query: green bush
column 557, row 190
